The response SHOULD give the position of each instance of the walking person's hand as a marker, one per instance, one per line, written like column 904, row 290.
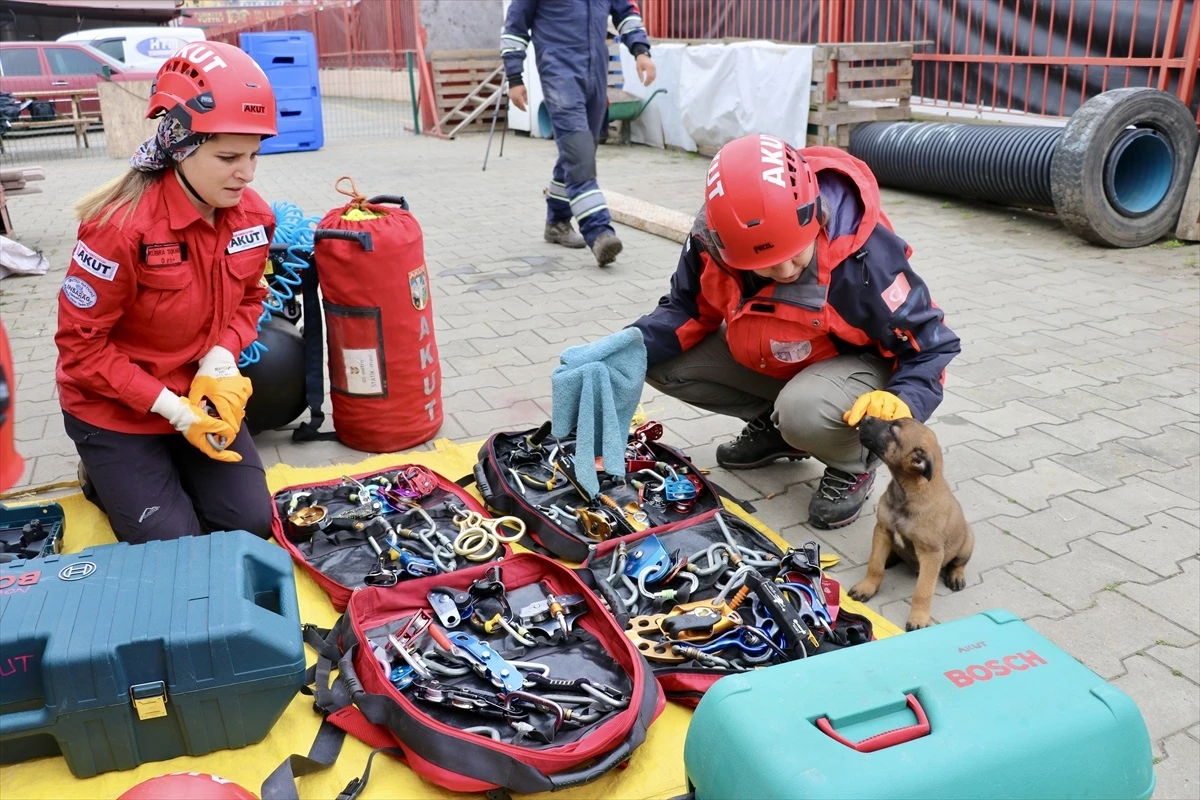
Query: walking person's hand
column 646, row 70
column 519, row 96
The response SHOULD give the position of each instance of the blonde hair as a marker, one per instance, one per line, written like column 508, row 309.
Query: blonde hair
column 126, row 190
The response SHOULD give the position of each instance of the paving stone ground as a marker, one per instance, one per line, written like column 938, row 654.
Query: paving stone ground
column 1071, row 424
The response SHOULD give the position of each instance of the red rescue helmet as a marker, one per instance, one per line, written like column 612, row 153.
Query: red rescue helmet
column 213, row 87
column 187, row 786
column 761, row 202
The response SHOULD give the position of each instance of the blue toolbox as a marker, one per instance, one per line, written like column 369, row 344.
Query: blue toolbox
column 981, row 707
column 124, row 654
column 30, row 532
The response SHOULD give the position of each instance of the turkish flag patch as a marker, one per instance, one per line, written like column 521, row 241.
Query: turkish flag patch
column 895, row 295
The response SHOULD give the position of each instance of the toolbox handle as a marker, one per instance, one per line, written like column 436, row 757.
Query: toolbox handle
column 23, row 722
column 886, row 739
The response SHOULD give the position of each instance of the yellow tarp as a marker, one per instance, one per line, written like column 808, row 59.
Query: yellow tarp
column 655, row 771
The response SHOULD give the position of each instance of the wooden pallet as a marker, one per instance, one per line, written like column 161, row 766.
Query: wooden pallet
column 465, row 83
column 845, row 73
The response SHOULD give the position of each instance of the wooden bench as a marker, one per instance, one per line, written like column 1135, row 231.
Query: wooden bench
column 78, row 119
column 14, row 181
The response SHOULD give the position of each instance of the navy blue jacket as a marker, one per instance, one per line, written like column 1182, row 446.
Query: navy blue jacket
column 859, row 294
column 570, row 38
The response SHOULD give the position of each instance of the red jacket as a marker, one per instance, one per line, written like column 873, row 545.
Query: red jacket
column 859, row 294
column 145, row 297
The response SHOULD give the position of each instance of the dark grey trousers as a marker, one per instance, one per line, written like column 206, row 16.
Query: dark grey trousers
column 160, row 487
column 807, row 409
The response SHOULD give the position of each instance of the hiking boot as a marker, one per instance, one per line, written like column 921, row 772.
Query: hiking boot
column 759, row 443
column 839, row 498
column 562, row 233
column 606, row 248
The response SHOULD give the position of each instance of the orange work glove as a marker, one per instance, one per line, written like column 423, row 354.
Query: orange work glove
column 881, row 404
column 210, row 435
column 219, row 382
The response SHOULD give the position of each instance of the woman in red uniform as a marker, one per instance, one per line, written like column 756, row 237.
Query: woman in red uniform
column 164, row 288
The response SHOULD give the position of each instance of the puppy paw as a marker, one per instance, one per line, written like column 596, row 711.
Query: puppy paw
column 955, row 580
column 916, row 622
column 863, row 591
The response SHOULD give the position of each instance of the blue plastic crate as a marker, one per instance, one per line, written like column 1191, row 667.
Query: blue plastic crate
column 289, row 59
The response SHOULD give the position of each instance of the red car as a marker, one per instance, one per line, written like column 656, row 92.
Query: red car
column 56, row 66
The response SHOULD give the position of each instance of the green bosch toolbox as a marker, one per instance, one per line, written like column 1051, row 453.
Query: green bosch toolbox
column 980, row 707
column 123, row 654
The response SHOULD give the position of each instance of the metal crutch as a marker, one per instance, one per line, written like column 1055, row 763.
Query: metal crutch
column 496, row 115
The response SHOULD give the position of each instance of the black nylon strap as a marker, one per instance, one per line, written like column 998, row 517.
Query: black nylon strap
column 314, row 367
column 281, row 784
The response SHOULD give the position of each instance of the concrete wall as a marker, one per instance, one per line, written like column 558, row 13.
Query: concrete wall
column 462, row 24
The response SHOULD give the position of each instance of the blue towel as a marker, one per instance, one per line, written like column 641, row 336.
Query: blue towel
column 595, row 391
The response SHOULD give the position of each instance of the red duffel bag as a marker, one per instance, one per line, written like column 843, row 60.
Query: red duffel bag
column 384, row 373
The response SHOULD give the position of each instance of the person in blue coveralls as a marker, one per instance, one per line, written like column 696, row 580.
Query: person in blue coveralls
column 570, row 44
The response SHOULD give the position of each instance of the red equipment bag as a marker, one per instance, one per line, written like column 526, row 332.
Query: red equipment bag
column 431, row 736
column 340, row 561
column 505, row 457
column 698, row 544
column 384, row 371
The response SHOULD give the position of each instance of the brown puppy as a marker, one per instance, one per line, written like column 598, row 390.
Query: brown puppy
column 918, row 518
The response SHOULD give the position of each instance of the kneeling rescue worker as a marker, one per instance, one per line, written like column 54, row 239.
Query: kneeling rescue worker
column 795, row 309
column 165, row 285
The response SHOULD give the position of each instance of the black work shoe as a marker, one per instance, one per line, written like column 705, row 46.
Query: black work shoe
column 759, row 443
column 606, row 248
column 839, row 498
column 562, row 233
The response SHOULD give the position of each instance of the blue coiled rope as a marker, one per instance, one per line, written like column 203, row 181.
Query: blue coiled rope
column 296, row 231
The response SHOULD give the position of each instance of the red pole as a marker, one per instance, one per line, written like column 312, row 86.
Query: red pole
column 346, row 27
column 391, row 34
column 1168, row 53
column 1191, row 59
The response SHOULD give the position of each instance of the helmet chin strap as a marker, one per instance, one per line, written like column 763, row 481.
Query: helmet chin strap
column 188, row 185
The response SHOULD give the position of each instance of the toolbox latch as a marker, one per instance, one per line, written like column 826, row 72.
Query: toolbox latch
column 149, row 700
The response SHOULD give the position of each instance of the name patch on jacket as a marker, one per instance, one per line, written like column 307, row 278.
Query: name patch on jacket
column 93, row 262
column 169, row 254
column 247, row 239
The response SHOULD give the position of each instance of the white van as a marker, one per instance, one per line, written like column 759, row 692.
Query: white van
column 140, row 48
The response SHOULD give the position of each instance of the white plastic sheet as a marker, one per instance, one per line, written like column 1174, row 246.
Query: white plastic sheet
column 717, row 92
column 17, row 259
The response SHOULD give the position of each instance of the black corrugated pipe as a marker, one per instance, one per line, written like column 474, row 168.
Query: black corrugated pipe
column 1116, row 174
column 1008, row 164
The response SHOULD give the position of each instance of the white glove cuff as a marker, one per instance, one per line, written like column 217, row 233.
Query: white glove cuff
column 171, row 407
column 218, row 363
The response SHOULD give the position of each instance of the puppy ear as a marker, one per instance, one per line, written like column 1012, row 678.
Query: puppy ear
column 922, row 463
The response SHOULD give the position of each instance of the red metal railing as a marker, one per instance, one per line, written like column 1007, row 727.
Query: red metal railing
column 1029, row 56
column 348, row 34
